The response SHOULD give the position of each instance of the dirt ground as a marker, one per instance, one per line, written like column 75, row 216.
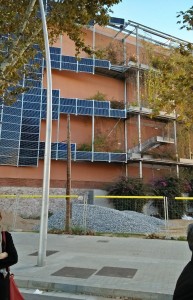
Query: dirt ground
column 178, row 228
column 11, row 221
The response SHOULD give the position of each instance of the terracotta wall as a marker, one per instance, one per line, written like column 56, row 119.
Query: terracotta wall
column 84, row 174
column 83, row 85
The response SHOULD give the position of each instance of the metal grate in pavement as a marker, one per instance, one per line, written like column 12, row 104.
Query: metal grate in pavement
column 117, row 272
column 74, row 272
column 48, row 253
column 102, row 241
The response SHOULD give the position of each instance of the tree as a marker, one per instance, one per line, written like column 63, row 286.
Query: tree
column 68, row 178
column 169, row 82
column 21, row 32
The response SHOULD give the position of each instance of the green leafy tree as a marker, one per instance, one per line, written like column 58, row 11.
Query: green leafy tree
column 187, row 18
column 169, row 82
column 21, row 29
column 126, row 186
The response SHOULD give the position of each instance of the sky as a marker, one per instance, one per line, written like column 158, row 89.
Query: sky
column 157, row 14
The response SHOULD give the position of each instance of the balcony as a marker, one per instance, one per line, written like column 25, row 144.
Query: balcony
column 149, row 112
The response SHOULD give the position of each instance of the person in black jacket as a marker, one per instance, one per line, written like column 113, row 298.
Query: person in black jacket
column 184, row 284
column 8, row 257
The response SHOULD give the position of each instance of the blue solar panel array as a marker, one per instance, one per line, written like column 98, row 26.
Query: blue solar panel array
column 71, row 63
column 90, row 107
column 59, row 152
column 20, row 123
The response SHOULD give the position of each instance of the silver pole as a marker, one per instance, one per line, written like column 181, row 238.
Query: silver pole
column 176, row 148
column 47, row 156
column 139, row 101
column 93, row 135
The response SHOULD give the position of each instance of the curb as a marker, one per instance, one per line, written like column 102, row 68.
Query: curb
column 90, row 290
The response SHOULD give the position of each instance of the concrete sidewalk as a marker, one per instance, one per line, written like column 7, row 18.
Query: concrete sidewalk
column 102, row 266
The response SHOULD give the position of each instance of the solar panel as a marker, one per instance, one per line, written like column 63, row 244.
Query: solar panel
column 11, row 119
column 84, row 111
column 69, row 66
column 55, row 50
column 31, row 105
column 10, row 135
column 101, row 112
column 101, row 156
column 55, row 115
column 102, row 63
column 55, row 65
column 28, row 153
column 84, row 103
column 67, row 101
column 118, row 113
column 84, row 155
column 28, row 161
column 69, row 59
column 29, row 144
column 11, row 111
column 31, row 113
column 118, row 157
column 34, row 91
column 9, row 143
column 30, row 128
column 117, row 21
column 67, row 109
column 62, row 155
column 85, row 68
column 8, row 160
column 86, row 61
column 102, row 104
column 30, row 136
column 9, row 151
column 31, row 98
column 55, row 57
column 30, row 121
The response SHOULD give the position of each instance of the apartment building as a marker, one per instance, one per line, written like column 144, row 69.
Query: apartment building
column 113, row 133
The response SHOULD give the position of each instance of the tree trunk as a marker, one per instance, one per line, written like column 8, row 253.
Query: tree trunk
column 68, row 178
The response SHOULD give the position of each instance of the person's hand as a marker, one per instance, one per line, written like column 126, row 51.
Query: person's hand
column 3, row 255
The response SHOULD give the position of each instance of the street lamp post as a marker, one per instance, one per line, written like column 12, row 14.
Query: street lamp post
column 47, row 156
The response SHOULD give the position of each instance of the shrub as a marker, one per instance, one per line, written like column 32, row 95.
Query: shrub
column 169, row 187
column 126, row 186
column 84, row 147
column 98, row 96
column 117, row 104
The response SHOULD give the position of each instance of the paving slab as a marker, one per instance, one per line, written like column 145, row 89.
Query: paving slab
column 101, row 266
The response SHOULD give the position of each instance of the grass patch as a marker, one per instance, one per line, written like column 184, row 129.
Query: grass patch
column 120, row 234
column 182, row 238
column 74, row 230
column 78, row 230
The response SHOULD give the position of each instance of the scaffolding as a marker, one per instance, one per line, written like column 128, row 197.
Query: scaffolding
column 135, row 34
